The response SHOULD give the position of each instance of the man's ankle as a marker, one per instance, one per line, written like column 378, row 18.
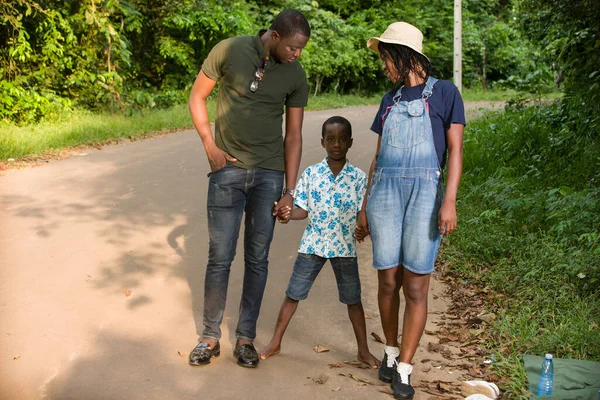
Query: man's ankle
column 211, row 342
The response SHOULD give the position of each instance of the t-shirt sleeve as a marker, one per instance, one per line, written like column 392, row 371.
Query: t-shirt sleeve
column 361, row 187
column 299, row 96
column 301, row 199
column 215, row 61
column 377, row 125
column 455, row 108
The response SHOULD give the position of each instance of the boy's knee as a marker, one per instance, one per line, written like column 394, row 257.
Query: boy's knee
column 354, row 306
column 288, row 299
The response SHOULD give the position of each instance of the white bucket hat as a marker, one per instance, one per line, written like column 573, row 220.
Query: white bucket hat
column 399, row 33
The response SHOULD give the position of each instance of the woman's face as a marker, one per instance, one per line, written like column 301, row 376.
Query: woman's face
column 388, row 67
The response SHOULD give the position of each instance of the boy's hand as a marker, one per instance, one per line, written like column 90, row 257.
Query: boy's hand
column 283, row 213
column 362, row 227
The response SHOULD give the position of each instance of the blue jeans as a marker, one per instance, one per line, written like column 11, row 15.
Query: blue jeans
column 231, row 191
column 308, row 266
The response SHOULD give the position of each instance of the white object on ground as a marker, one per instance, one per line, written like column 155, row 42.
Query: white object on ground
column 477, row 397
column 488, row 389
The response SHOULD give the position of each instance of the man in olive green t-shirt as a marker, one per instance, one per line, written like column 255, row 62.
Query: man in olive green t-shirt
column 248, row 158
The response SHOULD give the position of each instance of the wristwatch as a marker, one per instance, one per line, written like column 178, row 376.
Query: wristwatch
column 291, row 192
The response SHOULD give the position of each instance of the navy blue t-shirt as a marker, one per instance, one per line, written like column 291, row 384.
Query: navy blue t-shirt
column 445, row 108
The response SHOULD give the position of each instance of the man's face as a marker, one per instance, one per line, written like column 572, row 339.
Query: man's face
column 288, row 49
column 336, row 141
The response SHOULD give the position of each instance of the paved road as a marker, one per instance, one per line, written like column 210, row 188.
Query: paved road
column 102, row 261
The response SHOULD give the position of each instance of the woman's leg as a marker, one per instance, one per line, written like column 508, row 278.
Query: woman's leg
column 388, row 297
column 416, row 289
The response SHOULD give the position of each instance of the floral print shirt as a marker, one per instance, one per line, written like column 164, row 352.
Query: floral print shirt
column 332, row 204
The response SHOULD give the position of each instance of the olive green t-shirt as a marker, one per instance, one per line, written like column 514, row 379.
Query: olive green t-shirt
column 249, row 125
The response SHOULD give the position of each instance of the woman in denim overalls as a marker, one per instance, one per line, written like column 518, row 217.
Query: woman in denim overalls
column 406, row 207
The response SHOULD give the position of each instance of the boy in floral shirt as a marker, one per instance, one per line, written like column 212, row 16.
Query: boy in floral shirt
column 330, row 194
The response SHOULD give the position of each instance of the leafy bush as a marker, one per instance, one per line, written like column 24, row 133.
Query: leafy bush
column 530, row 228
column 101, row 54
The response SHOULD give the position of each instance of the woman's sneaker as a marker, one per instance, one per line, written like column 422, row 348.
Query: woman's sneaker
column 387, row 368
column 401, row 387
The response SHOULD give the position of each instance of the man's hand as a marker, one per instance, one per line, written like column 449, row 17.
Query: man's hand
column 217, row 158
column 362, row 227
column 447, row 218
column 283, row 208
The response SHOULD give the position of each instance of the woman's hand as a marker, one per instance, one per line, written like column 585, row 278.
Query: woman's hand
column 447, row 218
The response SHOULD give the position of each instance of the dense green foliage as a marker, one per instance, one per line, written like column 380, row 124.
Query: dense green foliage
column 530, row 229
column 132, row 55
column 530, row 206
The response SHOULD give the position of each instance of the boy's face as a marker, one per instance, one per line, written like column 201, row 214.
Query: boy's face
column 336, row 142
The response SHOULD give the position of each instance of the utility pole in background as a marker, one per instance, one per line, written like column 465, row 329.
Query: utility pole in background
column 458, row 44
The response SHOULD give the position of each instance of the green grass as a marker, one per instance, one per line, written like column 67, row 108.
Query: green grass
column 328, row 101
column 529, row 214
column 86, row 128
column 477, row 94
column 83, row 127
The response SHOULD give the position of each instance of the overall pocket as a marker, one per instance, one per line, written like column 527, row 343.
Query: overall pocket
column 405, row 126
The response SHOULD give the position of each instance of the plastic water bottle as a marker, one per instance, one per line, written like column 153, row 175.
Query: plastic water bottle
column 546, row 377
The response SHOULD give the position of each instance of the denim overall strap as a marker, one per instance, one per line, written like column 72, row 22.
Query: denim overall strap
column 428, row 91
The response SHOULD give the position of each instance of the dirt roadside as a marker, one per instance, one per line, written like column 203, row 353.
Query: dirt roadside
column 103, row 256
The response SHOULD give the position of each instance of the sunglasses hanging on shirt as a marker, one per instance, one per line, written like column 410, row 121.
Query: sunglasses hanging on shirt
column 258, row 74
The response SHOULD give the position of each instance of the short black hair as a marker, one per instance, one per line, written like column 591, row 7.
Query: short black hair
column 289, row 22
column 406, row 60
column 337, row 120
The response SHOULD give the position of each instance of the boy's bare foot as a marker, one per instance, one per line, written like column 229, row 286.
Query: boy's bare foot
column 369, row 359
column 270, row 350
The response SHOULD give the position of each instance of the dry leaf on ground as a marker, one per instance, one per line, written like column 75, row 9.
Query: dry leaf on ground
column 434, row 347
column 335, row 365
column 320, row 349
column 359, row 379
column 16, row 357
column 386, row 390
column 321, row 379
column 377, row 337
column 127, row 293
column 358, row 364
column 180, row 355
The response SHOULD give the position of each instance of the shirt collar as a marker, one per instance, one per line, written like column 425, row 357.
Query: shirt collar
column 262, row 53
column 344, row 171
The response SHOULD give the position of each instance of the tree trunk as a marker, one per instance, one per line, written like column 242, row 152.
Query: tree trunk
column 318, row 81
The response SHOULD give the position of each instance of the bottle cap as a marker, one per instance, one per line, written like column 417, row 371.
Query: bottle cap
column 548, row 356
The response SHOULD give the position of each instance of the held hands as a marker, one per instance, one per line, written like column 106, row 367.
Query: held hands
column 217, row 158
column 447, row 218
column 362, row 227
column 283, row 209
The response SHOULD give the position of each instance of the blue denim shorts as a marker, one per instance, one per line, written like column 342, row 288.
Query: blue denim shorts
column 308, row 266
column 402, row 211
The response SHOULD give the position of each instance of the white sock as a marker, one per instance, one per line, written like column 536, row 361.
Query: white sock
column 392, row 351
column 404, row 368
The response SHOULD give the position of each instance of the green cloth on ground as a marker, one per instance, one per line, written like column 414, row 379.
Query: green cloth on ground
column 573, row 379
